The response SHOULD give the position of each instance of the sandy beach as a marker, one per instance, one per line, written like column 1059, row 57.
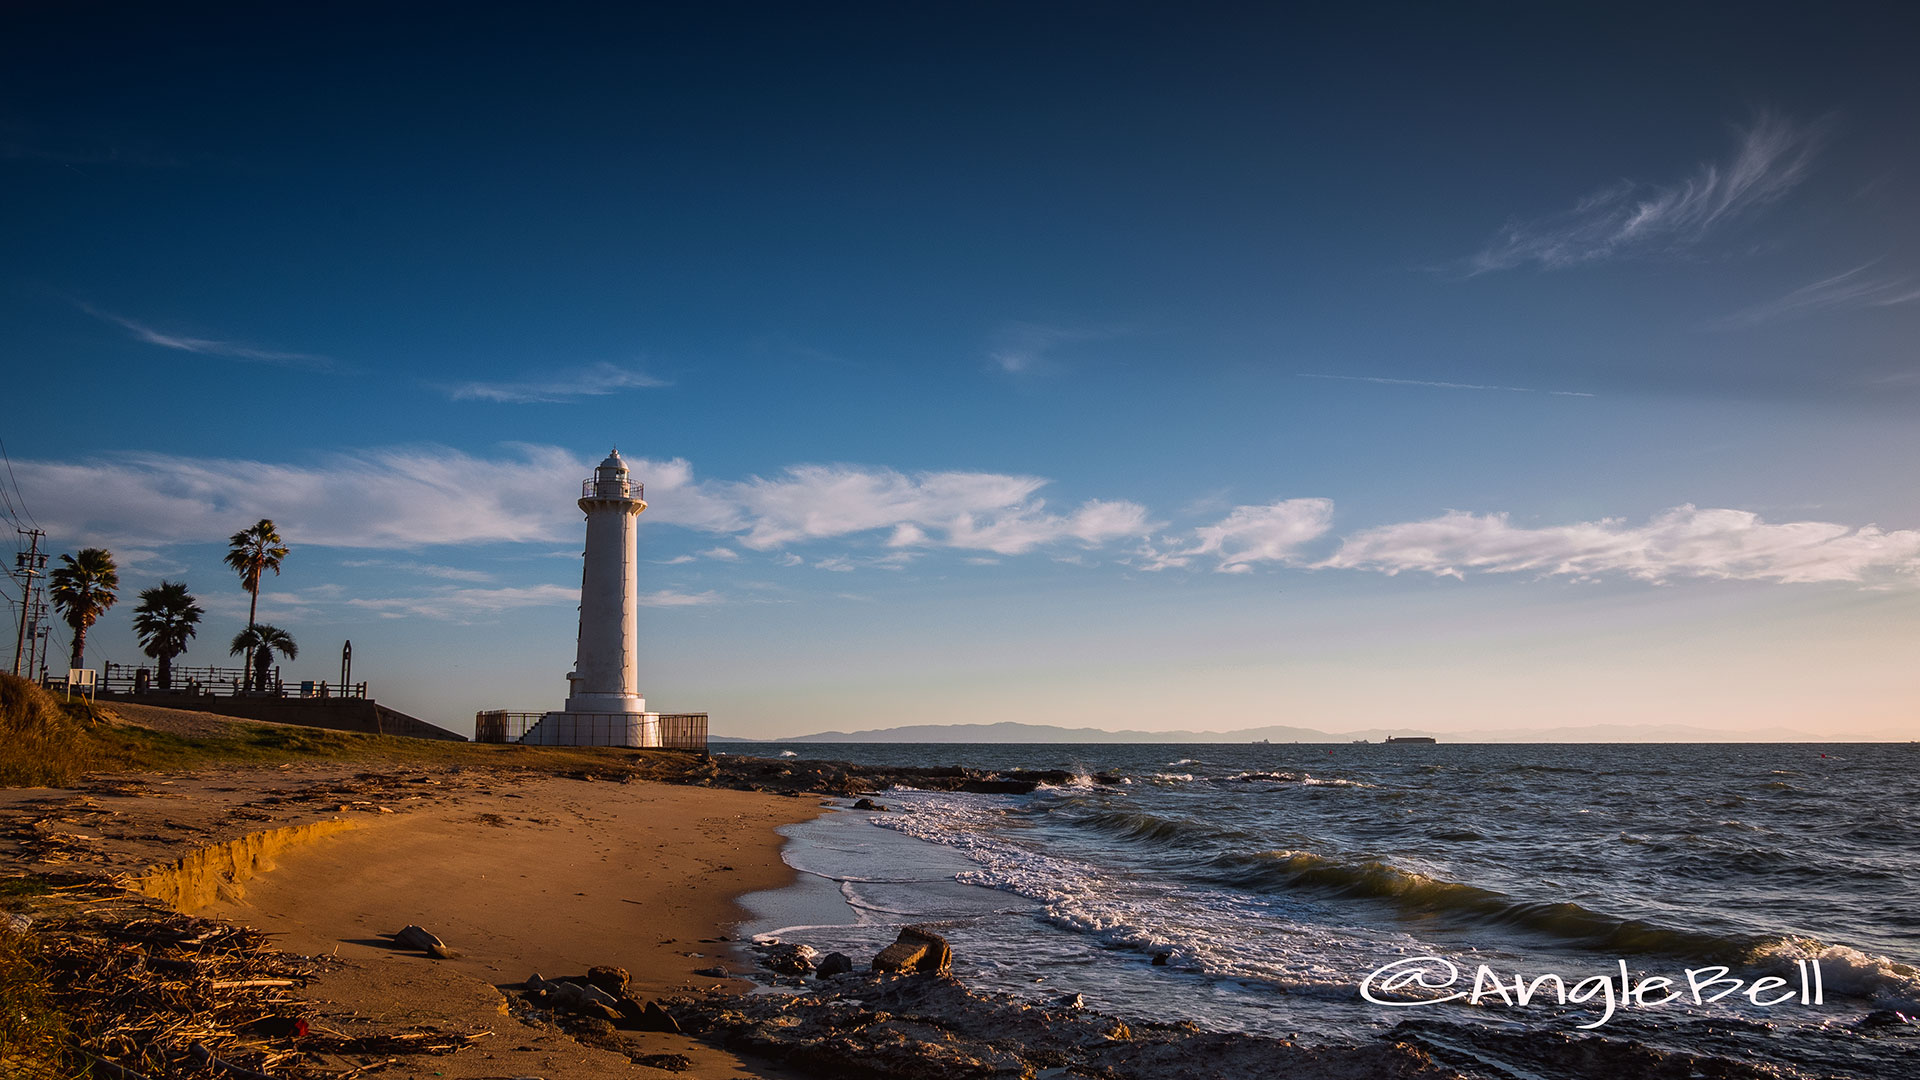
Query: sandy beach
column 518, row 872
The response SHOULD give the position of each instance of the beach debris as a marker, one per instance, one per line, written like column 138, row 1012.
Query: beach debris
column 836, row 963
column 715, row 972
column 205, row 1058
column 916, row 949
column 665, row 1062
column 413, row 937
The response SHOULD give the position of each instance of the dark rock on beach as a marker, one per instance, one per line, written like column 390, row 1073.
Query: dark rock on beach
column 788, row 959
column 929, row 1027
column 839, row 778
column 916, row 949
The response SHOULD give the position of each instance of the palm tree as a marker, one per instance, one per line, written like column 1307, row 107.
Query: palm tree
column 250, row 551
column 165, row 620
column 83, row 589
column 260, row 642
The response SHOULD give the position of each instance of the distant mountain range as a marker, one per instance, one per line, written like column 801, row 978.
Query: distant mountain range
column 1048, row 733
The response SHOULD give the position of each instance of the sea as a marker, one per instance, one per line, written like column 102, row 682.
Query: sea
column 1328, row 893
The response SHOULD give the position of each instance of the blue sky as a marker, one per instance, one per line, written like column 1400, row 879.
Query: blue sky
column 1457, row 367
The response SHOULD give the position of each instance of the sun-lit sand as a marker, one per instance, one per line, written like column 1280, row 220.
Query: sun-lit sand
column 518, row 872
column 552, row 877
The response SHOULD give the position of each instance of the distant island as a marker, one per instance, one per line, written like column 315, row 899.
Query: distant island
column 1010, row 732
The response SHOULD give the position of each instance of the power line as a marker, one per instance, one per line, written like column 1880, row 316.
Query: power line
column 19, row 495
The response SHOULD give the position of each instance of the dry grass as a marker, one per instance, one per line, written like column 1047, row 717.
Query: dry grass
column 34, row 1034
column 43, row 742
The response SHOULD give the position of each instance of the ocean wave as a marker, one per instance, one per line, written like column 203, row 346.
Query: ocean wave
column 1415, row 893
column 1173, row 778
column 1307, row 779
column 1155, row 829
column 1183, row 761
column 1845, row 971
column 1201, row 930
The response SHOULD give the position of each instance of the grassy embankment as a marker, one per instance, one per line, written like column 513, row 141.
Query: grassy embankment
column 48, row 742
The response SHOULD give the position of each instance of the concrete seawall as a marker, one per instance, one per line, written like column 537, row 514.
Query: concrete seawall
column 363, row 715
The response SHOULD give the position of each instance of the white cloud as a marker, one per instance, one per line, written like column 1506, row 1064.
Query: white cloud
column 462, row 604
column 672, row 598
column 434, row 570
column 982, row 511
column 209, row 347
column 1029, row 526
column 596, row 380
column 1249, row 534
column 409, row 498
column 1678, row 543
column 1770, row 158
column 1849, row 291
column 384, row 499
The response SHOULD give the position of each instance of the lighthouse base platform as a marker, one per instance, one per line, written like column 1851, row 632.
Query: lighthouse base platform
column 594, row 729
column 566, row 727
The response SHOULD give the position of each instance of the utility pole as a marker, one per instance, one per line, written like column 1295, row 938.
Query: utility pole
column 27, row 566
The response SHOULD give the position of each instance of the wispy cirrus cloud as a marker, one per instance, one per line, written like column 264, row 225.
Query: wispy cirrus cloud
column 232, row 350
column 1028, row 348
column 1684, row 542
column 1437, row 385
column 1850, row 291
column 596, row 380
column 1771, row 156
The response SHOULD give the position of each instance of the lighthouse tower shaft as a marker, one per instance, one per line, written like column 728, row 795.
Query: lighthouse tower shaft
column 606, row 669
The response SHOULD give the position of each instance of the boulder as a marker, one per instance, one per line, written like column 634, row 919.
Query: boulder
column 868, row 804
column 611, row 979
column 655, row 1018
column 836, row 963
column 790, row 959
column 916, row 949
column 413, row 937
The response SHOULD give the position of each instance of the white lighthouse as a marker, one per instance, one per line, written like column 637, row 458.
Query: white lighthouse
column 604, row 706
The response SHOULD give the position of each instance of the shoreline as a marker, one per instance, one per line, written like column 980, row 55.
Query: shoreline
column 625, row 860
